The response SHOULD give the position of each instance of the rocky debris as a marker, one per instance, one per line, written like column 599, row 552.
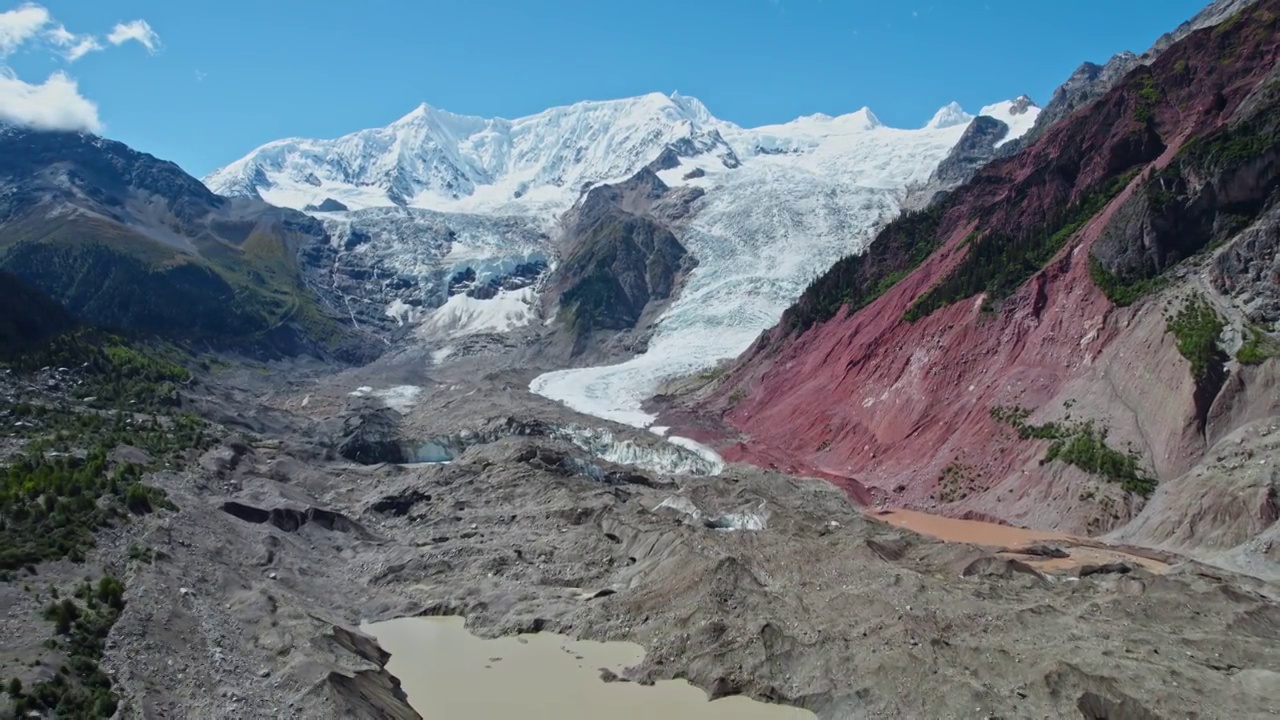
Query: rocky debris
column 825, row 609
column 1044, row 551
column 371, row 437
column 400, row 504
column 1248, row 270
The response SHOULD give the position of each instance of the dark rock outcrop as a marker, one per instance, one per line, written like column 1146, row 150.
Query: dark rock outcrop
column 976, row 147
column 1217, row 185
column 371, row 437
column 620, row 262
column 328, row 205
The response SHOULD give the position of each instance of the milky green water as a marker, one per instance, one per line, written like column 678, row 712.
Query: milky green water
column 450, row 674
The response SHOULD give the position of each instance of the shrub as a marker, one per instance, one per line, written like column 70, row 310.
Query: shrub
column 1082, row 445
column 998, row 264
column 1257, row 349
column 1197, row 328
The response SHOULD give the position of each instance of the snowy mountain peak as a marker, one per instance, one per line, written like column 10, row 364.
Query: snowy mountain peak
column 540, row 164
column 433, row 158
column 949, row 115
column 1019, row 114
column 693, row 107
column 864, row 119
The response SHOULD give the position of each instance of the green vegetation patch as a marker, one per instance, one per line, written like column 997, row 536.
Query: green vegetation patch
column 1122, row 293
column 998, row 265
column 1149, row 96
column 61, row 487
column 958, row 481
column 80, row 689
column 855, row 281
column 1258, row 348
column 1084, row 445
column 1197, row 328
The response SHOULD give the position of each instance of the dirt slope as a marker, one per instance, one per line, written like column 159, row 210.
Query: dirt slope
column 888, row 370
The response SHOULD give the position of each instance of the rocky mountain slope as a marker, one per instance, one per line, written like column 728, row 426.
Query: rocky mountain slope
column 1075, row 339
column 123, row 240
column 1091, row 81
column 621, row 264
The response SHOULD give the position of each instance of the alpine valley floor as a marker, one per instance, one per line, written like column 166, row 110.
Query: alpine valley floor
column 749, row 582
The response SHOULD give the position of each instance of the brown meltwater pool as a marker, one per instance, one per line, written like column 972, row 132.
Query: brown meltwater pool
column 1083, row 551
column 450, row 674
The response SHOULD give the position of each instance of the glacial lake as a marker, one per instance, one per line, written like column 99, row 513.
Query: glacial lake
column 450, row 674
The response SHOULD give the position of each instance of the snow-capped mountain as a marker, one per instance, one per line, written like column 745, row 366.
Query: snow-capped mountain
column 435, row 159
column 438, row 160
column 780, row 203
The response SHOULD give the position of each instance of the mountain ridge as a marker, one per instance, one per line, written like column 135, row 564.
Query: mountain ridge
column 439, row 160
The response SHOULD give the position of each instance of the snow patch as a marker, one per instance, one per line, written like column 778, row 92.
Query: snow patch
column 464, row 315
column 400, row 398
column 1019, row 123
column 402, row 312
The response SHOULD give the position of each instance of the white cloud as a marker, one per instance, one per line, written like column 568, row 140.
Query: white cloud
column 56, row 104
column 137, row 30
column 20, row 25
column 82, row 47
column 73, row 46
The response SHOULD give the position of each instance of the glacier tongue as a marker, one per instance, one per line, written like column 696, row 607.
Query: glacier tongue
column 763, row 232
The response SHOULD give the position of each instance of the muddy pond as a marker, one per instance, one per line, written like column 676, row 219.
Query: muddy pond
column 449, row 673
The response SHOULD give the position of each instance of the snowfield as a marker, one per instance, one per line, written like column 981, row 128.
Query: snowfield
column 448, row 192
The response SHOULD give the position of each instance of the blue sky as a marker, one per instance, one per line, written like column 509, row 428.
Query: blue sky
column 223, row 77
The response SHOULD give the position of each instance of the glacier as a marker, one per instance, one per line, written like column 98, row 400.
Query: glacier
column 804, row 196
column 781, row 204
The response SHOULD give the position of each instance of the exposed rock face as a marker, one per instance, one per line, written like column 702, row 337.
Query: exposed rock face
column 370, row 438
column 976, row 148
column 868, row 396
column 1205, row 194
column 1249, row 271
column 621, row 262
column 124, row 240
